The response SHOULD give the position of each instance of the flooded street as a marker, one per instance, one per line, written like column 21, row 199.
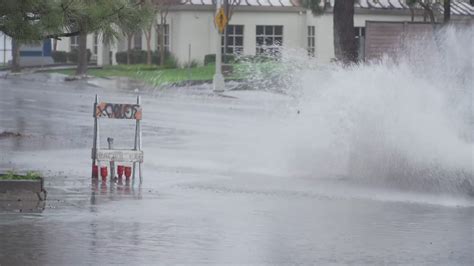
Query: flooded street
column 217, row 187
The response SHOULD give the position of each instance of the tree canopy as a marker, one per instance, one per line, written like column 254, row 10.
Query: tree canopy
column 30, row 20
column 35, row 20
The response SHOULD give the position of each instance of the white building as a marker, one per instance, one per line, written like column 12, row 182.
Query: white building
column 5, row 49
column 260, row 24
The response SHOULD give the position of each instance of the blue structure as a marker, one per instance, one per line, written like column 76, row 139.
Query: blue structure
column 36, row 54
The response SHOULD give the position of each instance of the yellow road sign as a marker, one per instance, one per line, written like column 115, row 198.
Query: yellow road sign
column 221, row 20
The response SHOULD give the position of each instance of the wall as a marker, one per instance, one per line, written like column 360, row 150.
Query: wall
column 325, row 34
column 5, row 49
column 196, row 28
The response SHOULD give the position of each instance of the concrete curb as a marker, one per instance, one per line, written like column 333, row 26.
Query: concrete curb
column 22, row 190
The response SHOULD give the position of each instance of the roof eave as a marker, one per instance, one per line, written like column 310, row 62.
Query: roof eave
column 239, row 8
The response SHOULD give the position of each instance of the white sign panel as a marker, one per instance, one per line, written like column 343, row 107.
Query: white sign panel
column 120, row 155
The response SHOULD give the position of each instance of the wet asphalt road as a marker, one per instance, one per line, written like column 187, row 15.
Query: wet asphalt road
column 208, row 197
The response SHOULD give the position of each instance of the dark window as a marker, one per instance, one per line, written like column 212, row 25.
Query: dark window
column 74, row 42
column 278, row 30
column 137, row 40
column 269, row 39
column 359, row 35
column 235, row 39
column 311, row 41
column 96, row 43
column 166, row 36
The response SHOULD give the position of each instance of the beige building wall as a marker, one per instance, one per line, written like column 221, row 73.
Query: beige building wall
column 193, row 34
column 325, row 34
column 195, row 30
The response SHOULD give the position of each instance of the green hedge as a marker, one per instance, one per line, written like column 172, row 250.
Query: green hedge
column 72, row 56
column 140, row 56
column 211, row 59
column 257, row 58
column 59, row 56
column 136, row 57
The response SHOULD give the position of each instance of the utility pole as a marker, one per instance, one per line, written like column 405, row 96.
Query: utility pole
column 447, row 11
column 225, row 33
column 218, row 83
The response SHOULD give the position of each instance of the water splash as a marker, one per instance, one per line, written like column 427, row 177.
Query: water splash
column 404, row 123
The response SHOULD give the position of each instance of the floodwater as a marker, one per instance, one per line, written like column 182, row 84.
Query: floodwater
column 210, row 194
column 319, row 165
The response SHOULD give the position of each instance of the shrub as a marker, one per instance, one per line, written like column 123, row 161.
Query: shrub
column 211, row 59
column 136, row 57
column 139, row 57
column 229, row 58
column 59, row 56
column 171, row 61
column 191, row 64
column 121, row 57
column 257, row 58
column 72, row 56
column 155, row 58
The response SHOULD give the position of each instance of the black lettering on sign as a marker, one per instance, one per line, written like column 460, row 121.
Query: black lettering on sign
column 118, row 111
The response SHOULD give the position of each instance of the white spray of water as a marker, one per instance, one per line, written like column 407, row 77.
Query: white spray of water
column 406, row 124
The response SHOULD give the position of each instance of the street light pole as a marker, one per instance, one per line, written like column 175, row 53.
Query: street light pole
column 218, row 83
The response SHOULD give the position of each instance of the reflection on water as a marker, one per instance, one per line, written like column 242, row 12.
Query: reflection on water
column 115, row 189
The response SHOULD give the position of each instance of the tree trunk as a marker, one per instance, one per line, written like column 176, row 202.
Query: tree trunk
column 82, row 54
column 15, row 56
column 412, row 13
column 148, row 45
column 344, row 35
column 129, row 47
column 432, row 16
column 447, row 11
column 428, row 11
column 55, row 45
column 162, row 40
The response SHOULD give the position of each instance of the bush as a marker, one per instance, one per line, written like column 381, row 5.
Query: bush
column 121, row 57
column 155, row 58
column 139, row 57
column 136, row 57
column 191, row 64
column 211, row 59
column 257, row 58
column 72, row 56
column 59, row 56
column 171, row 61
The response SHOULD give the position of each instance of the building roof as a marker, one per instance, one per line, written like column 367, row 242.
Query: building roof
column 255, row 3
column 458, row 7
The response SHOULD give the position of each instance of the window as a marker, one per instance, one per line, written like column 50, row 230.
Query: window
column 269, row 39
column 311, row 39
column 74, row 42
column 137, row 40
column 235, row 39
column 166, row 35
column 96, row 42
column 360, row 42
